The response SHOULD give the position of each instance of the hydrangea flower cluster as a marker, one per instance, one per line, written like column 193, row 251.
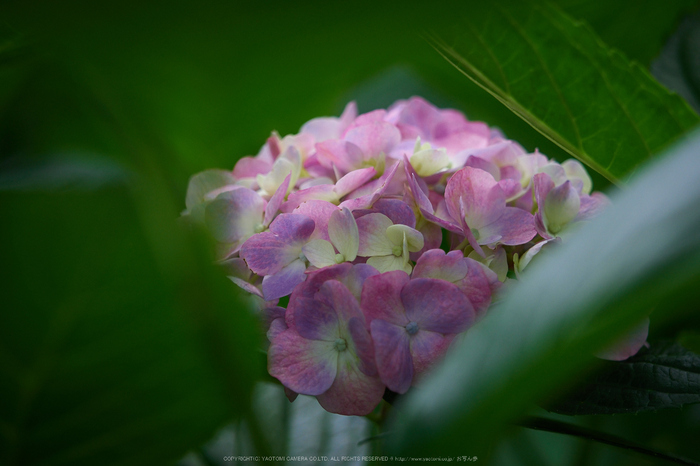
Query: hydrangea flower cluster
column 388, row 233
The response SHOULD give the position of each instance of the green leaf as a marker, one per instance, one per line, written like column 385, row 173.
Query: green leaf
column 638, row 28
column 665, row 376
column 120, row 343
column 678, row 65
column 557, row 75
column 643, row 252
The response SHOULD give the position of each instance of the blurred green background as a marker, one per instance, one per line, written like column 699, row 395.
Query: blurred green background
column 119, row 343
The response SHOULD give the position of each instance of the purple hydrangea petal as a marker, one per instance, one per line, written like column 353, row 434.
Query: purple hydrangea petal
column 479, row 285
column 438, row 264
column 306, row 366
column 393, row 355
column 315, row 320
column 266, row 254
column 381, row 297
column 426, row 349
column 437, row 306
column 362, row 345
column 276, row 327
column 515, row 226
column 352, row 393
column 397, row 211
column 293, row 227
column 234, row 215
column 283, row 282
column 336, row 295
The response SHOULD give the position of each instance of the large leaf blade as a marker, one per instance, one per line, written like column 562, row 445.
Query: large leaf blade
column 112, row 350
column 558, row 76
column 665, row 376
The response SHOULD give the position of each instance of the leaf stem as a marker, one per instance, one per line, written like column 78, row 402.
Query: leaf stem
column 558, row 427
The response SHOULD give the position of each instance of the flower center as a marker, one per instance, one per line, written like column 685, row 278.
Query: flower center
column 340, row 345
column 412, row 328
column 397, row 250
column 476, row 234
column 259, row 228
column 339, row 258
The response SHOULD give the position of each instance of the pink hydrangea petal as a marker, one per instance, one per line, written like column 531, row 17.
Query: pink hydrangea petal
column 629, row 344
column 479, row 285
column 234, row 215
column 315, row 320
column 352, row 276
column 437, row 306
column 354, row 180
column 436, row 263
column 393, row 355
column 344, row 233
column 374, row 138
column 483, row 164
column 343, row 155
column 482, row 198
column 282, row 283
column 306, row 366
column 381, row 297
column 592, row 206
column 320, row 212
column 250, row 167
column 321, row 192
column 377, row 189
column 352, row 393
column 362, row 345
column 426, row 349
column 328, row 127
column 276, row 201
column 248, row 287
column 276, row 327
column 235, row 267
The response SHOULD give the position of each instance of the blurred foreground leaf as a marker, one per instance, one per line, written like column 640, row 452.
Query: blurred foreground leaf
column 557, row 75
column 119, row 342
column 641, row 253
column 665, row 376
